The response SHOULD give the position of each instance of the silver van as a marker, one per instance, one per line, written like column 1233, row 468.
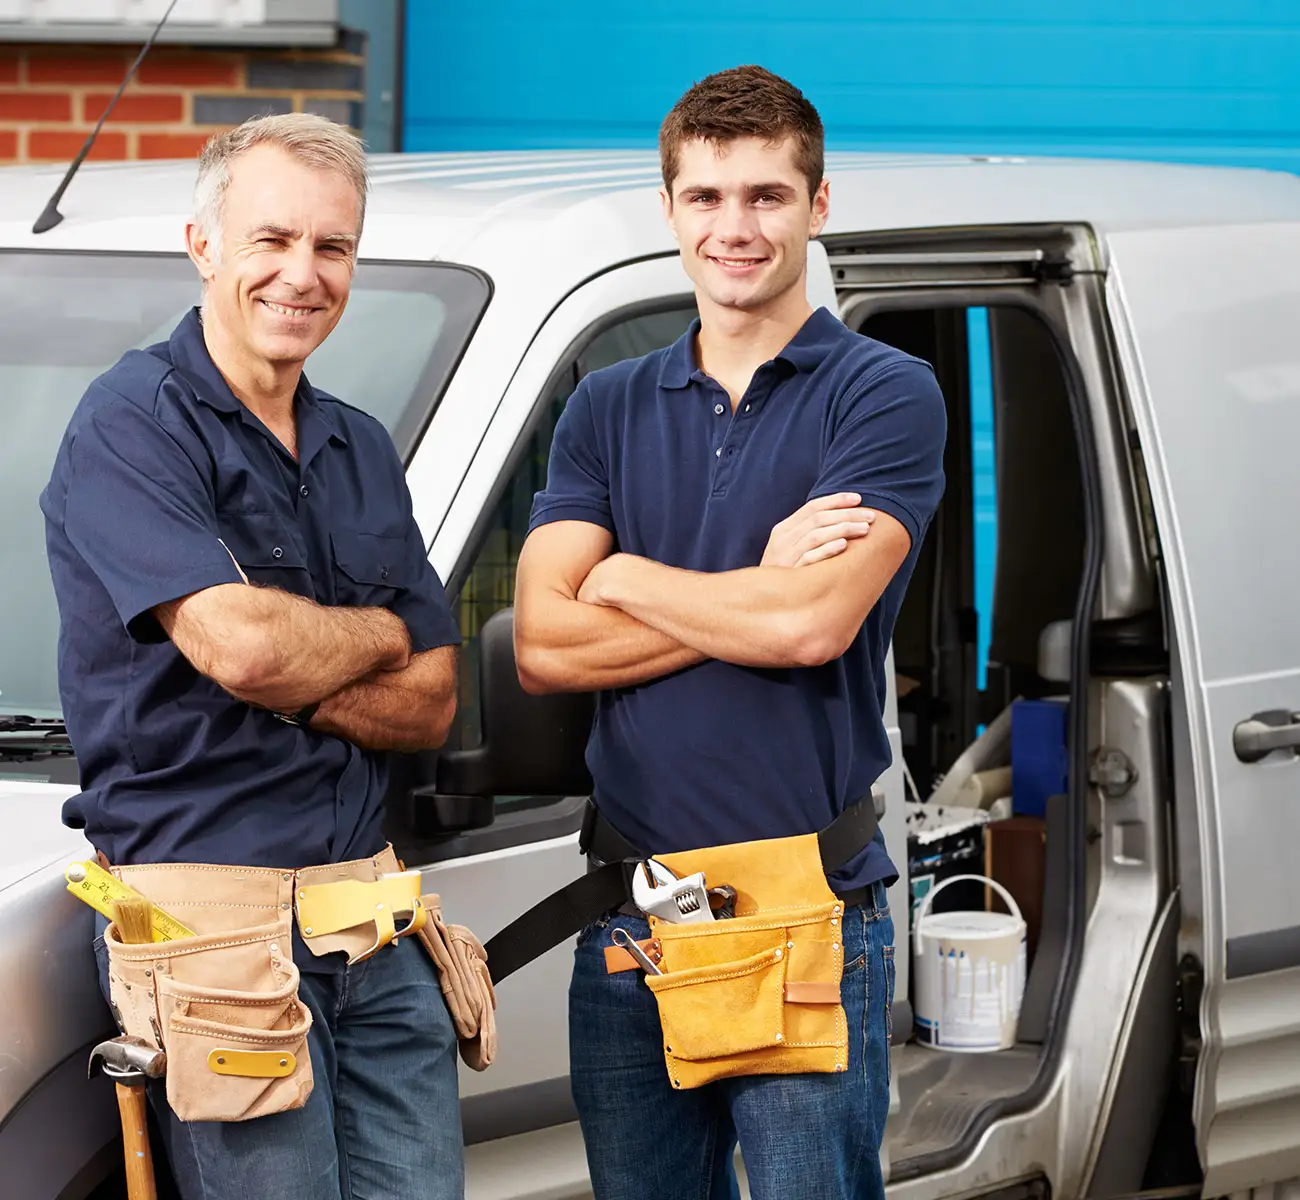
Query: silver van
column 1143, row 338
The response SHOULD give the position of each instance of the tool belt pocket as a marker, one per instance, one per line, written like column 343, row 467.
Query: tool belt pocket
column 753, row 995
column 225, row 1008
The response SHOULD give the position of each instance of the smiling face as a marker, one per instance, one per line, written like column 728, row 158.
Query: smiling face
column 741, row 213
column 280, row 279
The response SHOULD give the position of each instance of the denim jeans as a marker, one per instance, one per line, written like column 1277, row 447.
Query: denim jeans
column 802, row 1137
column 383, row 1118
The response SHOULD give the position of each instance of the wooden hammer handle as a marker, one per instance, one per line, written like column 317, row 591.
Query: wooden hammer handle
column 133, row 1107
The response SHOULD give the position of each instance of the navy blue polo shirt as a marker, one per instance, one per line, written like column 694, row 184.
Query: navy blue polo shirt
column 650, row 450
column 163, row 480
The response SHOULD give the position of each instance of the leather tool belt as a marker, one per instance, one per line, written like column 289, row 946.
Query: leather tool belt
column 607, row 884
column 757, row 993
column 224, row 1004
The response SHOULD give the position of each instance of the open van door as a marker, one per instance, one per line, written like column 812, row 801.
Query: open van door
column 1208, row 326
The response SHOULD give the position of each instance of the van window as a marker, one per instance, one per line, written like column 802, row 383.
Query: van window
column 490, row 583
column 69, row 317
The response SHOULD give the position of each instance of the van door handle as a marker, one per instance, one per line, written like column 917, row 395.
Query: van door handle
column 1265, row 732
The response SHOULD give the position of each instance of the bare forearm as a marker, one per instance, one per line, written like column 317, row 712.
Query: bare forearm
column 281, row 651
column 569, row 646
column 756, row 616
column 376, row 715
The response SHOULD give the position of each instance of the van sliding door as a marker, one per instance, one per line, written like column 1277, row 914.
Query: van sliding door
column 1207, row 322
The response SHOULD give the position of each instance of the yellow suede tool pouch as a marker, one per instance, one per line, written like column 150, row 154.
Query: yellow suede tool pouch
column 759, row 993
column 224, row 1003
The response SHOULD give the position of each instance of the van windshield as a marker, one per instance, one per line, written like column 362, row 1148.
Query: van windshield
column 68, row 318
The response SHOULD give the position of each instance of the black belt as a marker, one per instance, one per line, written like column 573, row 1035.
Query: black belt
column 606, row 885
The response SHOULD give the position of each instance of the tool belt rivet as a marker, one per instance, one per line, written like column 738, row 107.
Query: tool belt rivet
column 286, row 877
column 307, row 931
column 147, row 972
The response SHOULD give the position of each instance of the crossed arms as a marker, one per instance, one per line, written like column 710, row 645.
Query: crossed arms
column 588, row 620
column 282, row 652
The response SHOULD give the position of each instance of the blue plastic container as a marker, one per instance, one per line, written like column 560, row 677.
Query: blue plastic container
column 1040, row 757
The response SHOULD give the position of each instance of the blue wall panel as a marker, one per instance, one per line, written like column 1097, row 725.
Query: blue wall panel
column 1193, row 80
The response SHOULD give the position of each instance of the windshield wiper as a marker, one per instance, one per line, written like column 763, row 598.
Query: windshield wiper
column 43, row 726
column 27, row 739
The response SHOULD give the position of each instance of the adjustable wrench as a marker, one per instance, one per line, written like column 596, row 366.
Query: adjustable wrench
column 657, row 892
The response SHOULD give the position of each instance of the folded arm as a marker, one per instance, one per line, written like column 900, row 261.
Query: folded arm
column 764, row 616
column 279, row 651
column 410, row 709
column 564, row 645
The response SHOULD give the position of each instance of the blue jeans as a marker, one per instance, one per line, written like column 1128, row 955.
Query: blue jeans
column 383, row 1118
column 803, row 1137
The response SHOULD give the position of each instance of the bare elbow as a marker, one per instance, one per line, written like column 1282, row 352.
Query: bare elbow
column 245, row 665
column 532, row 665
column 812, row 641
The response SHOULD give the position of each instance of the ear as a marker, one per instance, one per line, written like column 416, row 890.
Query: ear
column 199, row 249
column 666, row 200
column 821, row 208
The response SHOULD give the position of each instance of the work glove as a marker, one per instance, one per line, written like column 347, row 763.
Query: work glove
column 463, row 972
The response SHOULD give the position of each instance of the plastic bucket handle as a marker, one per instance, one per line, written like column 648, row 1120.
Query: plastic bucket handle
column 933, row 892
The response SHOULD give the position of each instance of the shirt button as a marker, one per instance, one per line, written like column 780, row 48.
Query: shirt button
column 277, row 553
column 383, row 572
column 747, row 408
column 304, row 490
column 718, row 452
column 718, row 409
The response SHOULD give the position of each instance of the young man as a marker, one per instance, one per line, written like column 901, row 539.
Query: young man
column 249, row 623
column 739, row 650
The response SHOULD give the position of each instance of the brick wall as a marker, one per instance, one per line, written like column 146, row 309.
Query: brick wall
column 51, row 96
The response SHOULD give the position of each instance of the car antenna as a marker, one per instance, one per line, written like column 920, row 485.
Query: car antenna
column 51, row 216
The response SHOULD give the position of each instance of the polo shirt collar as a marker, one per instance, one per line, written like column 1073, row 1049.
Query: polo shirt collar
column 805, row 352
column 189, row 354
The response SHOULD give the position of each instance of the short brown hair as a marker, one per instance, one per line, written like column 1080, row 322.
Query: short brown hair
column 745, row 102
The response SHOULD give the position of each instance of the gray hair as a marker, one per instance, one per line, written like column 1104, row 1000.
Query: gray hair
column 313, row 140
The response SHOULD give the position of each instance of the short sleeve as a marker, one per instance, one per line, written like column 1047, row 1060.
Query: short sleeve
column 138, row 512
column 577, row 483
column 887, row 445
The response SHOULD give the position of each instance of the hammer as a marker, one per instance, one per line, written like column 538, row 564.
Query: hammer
column 131, row 1062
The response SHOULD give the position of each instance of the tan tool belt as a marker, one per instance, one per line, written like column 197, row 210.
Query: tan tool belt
column 224, row 1004
column 757, row 994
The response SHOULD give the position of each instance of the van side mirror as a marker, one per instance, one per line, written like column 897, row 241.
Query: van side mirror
column 532, row 745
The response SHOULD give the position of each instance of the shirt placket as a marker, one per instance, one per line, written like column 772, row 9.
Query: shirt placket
column 732, row 429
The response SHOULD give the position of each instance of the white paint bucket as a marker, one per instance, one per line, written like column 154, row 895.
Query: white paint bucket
column 970, row 974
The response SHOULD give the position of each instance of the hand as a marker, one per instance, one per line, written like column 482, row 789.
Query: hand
column 594, row 589
column 821, row 529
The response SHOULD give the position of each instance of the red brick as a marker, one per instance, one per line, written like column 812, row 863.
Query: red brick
column 35, row 106
column 168, row 106
column 8, row 69
column 51, row 145
column 190, row 70
column 77, row 68
column 8, row 144
column 171, row 145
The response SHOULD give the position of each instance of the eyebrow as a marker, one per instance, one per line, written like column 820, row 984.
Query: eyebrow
column 751, row 189
column 280, row 231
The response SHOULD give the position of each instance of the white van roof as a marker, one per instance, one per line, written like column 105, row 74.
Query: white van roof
column 590, row 209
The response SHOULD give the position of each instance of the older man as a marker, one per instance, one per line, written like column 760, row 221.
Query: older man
column 249, row 623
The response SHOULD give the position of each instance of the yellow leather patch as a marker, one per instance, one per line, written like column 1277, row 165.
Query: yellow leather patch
column 325, row 908
column 252, row 1064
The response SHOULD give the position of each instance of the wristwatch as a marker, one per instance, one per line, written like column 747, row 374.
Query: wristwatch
column 302, row 717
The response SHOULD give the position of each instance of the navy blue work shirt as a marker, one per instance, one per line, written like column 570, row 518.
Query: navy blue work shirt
column 162, row 482
column 650, row 450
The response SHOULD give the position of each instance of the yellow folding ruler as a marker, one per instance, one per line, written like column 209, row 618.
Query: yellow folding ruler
column 89, row 881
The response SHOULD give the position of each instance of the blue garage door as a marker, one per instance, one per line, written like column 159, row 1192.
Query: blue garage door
column 1198, row 80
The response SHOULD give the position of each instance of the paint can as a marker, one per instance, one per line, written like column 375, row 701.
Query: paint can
column 969, row 969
